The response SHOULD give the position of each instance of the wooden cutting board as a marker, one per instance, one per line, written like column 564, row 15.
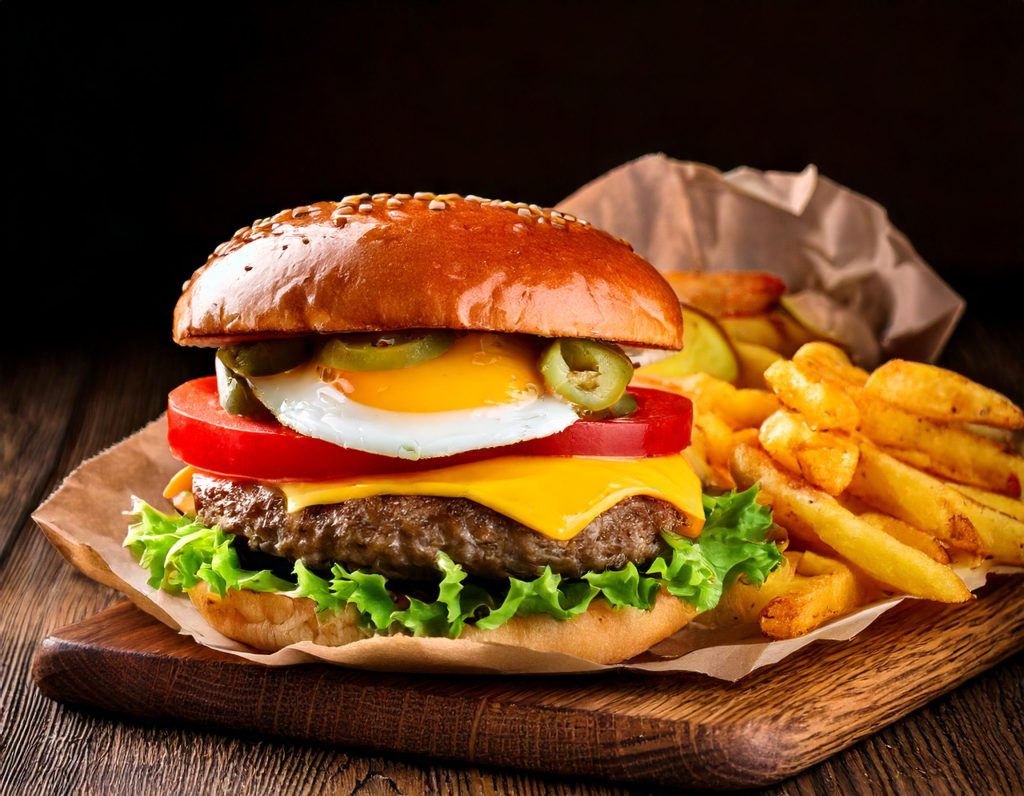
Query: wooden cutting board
column 683, row 730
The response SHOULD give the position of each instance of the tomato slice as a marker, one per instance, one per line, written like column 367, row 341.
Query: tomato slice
column 202, row 434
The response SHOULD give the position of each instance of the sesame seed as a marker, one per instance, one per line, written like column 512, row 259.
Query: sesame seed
column 448, row 197
column 345, row 210
column 436, row 204
column 355, row 198
column 240, row 232
column 380, row 197
column 568, row 216
column 556, row 213
column 299, row 212
column 472, row 197
column 185, row 284
column 365, row 207
column 535, row 209
column 523, row 211
column 424, row 195
column 583, row 221
column 542, row 220
column 403, row 196
column 394, row 202
column 558, row 222
column 284, row 215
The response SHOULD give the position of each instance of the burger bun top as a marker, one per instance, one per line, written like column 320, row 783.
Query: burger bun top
column 390, row 262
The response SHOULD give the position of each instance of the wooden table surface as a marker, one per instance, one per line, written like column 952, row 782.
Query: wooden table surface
column 62, row 403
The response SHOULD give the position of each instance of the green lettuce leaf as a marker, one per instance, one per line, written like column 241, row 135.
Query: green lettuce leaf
column 622, row 587
column 733, row 538
column 179, row 552
column 545, row 594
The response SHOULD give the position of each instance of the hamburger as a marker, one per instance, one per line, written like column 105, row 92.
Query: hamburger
column 421, row 422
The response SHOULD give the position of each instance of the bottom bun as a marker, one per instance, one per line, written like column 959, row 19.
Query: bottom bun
column 269, row 622
column 602, row 634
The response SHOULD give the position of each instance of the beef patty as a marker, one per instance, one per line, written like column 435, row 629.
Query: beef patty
column 399, row 535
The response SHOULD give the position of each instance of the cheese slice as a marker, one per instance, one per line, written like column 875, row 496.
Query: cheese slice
column 555, row 496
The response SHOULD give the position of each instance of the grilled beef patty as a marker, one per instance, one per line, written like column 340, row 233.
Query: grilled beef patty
column 399, row 535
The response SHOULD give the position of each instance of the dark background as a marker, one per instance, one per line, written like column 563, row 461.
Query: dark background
column 142, row 138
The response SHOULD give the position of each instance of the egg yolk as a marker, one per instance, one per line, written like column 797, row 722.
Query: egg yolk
column 478, row 370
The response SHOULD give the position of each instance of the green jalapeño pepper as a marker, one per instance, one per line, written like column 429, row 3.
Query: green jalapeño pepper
column 590, row 374
column 236, row 396
column 266, row 357
column 384, row 350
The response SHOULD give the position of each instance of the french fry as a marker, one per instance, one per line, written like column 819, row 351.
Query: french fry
column 953, row 453
column 727, row 292
column 823, row 589
column 918, row 459
column 742, row 603
column 826, row 460
column 740, row 408
column 908, row 534
column 917, row 498
column 949, row 451
column 941, row 394
column 696, row 454
column 803, row 593
column 1002, row 536
column 831, row 361
column 717, row 437
column 1012, row 507
column 814, row 512
column 823, row 404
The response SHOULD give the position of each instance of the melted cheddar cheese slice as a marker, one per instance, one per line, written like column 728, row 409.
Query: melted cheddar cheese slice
column 555, row 496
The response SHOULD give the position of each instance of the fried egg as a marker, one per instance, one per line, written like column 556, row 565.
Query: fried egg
column 483, row 392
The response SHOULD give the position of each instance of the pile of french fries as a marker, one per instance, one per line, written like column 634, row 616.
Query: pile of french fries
column 882, row 481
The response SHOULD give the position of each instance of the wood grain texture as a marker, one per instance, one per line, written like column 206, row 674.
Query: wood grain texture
column 679, row 730
column 969, row 741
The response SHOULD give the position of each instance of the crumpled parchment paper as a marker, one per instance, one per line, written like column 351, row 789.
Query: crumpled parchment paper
column 814, row 233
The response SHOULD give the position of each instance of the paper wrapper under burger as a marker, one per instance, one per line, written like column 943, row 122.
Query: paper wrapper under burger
column 813, row 233
column 84, row 519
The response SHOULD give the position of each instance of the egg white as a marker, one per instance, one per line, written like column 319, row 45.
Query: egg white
column 300, row 401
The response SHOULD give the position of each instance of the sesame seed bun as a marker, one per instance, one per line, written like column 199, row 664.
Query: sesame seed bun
column 602, row 634
column 391, row 262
